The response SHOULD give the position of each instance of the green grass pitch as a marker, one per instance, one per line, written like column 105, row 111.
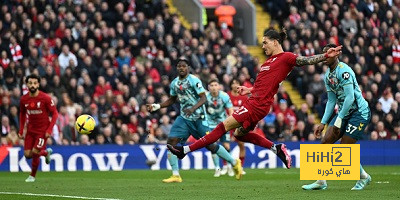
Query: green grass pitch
column 197, row 184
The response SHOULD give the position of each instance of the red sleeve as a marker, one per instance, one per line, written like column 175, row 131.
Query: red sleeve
column 22, row 117
column 291, row 59
column 51, row 107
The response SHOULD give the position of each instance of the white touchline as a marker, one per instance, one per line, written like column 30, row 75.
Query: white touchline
column 55, row 195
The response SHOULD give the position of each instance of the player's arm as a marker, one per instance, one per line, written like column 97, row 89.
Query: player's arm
column 22, row 119
column 54, row 116
column 330, row 106
column 348, row 101
column 203, row 99
column 155, row 106
column 311, row 60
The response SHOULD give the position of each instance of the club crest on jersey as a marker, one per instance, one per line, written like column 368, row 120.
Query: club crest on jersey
column 333, row 81
column 346, row 75
column 38, row 104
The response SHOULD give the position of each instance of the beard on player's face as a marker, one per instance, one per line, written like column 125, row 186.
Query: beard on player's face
column 33, row 89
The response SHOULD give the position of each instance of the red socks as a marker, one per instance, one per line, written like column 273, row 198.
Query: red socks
column 242, row 160
column 43, row 153
column 256, row 139
column 35, row 164
column 209, row 138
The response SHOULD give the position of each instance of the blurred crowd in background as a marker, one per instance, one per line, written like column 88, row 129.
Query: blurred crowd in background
column 108, row 59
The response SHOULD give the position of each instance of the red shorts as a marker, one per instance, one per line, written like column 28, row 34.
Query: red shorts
column 35, row 141
column 248, row 116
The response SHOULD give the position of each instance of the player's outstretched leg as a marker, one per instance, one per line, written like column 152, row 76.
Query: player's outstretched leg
column 279, row 149
column 317, row 185
column 281, row 152
column 176, row 150
column 365, row 179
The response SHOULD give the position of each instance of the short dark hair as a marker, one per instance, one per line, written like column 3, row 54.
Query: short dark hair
column 328, row 46
column 183, row 59
column 34, row 76
column 274, row 35
column 213, row 80
column 234, row 79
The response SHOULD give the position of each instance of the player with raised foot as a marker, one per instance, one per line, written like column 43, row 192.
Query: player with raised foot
column 274, row 70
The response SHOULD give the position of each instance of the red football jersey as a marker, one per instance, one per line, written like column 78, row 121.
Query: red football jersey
column 237, row 101
column 37, row 109
column 272, row 73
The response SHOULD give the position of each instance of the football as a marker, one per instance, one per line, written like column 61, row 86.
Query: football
column 85, row 124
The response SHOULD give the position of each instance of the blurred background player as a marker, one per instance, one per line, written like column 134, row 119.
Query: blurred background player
column 353, row 113
column 237, row 101
column 217, row 105
column 36, row 107
column 275, row 69
column 190, row 92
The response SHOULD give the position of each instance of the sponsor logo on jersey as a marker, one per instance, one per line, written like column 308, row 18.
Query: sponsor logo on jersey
column 265, row 68
column 34, row 112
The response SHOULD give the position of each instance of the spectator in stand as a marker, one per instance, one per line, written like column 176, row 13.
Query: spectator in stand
column 65, row 59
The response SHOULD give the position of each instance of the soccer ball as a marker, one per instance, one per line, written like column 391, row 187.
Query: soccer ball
column 85, row 124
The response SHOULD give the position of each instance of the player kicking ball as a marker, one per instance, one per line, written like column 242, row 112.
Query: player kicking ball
column 37, row 106
column 353, row 114
column 272, row 73
column 190, row 92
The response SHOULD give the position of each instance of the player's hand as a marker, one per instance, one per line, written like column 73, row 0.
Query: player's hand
column 243, row 90
column 21, row 136
column 47, row 135
column 152, row 107
column 333, row 52
column 319, row 130
column 188, row 111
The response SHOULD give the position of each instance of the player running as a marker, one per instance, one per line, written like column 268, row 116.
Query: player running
column 188, row 89
column 353, row 114
column 37, row 105
column 272, row 73
column 237, row 101
column 217, row 104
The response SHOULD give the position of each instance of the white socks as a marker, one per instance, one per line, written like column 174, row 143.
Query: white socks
column 186, row 149
column 175, row 173
column 273, row 148
column 321, row 182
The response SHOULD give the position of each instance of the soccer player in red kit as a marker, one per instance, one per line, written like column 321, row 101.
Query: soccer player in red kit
column 35, row 107
column 275, row 69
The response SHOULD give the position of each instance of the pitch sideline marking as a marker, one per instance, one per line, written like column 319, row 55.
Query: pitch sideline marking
column 55, row 195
